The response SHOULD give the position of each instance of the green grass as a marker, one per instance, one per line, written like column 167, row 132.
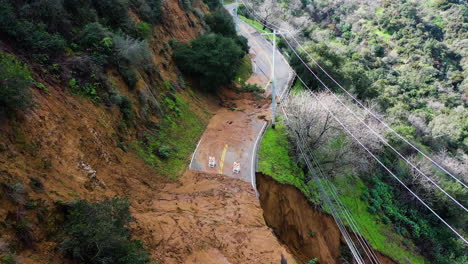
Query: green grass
column 275, row 159
column 382, row 237
column 179, row 131
column 245, row 70
column 297, row 87
column 258, row 27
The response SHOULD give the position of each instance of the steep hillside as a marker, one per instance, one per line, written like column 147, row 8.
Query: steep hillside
column 92, row 124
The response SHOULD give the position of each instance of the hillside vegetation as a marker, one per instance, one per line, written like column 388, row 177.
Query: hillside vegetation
column 407, row 61
column 100, row 101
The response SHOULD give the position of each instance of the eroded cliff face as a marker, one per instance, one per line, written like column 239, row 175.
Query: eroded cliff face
column 207, row 218
column 308, row 232
column 66, row 147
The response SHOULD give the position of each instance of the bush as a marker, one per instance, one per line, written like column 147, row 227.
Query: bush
column 96, row 233
column 15, row 80
column 115, row 12
column 143, row 30
column 92, row 35
column 221, row 23
column 149, row 10
column 212, row 4
column 131, row 51
column 164, row 151
column 129, row 75
column 212, row 57
column 126, row 107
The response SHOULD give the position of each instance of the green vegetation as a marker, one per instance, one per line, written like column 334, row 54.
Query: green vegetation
column 257, row 26
column 221, row 23
column 212, row 57
column 97, row 233
column 91, row 34
column 245, row 70
column 169, row 148
column 15, row 80
column 374, row 228
column 406, row 57
column 275, row 159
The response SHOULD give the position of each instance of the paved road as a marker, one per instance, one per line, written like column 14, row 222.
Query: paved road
column 231, row 136
column 263, row 49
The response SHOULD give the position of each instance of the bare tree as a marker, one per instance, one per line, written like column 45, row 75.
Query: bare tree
column 335, row 150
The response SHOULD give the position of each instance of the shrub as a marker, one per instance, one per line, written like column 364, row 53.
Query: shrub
column 131, row 51
column 212, row 4
column 24, row 232
column 93, row 35
column 115, row 12
column 143, row 30
column 212, row 57
column 129, row 75
column 221, row 23
column 164, row 152
column 15, row 80
column 96, row 233
column 126, row 107
column 149, row 10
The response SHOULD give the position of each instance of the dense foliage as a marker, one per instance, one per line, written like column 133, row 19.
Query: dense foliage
column 15, row 80
column 215, row 57
column 77, row 40
column 96, row 233
column 407, row 59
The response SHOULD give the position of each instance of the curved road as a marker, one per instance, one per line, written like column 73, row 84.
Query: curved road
column 231, row 136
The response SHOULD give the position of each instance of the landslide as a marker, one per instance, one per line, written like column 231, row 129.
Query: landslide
column 207, row 218
column 68, row 147
column 307, row 231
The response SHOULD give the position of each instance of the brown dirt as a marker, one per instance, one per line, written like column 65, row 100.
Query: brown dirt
column 207, row 218
column 288, row 212
column 235, row 125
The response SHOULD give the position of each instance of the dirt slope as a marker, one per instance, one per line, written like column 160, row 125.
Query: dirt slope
column 308, row 232
column 207, row 218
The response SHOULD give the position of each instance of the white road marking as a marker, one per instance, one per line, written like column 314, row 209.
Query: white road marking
column 254, row 152
column 194, row 153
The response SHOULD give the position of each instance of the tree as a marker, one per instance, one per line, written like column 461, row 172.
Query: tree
column 221, row 23
column 96, row 233
column 211, row 57
column 336, row 150
column 15, row 80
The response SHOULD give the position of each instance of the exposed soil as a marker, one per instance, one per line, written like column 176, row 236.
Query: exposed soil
column 308, row 232
column 207, row 218
column 231, row 134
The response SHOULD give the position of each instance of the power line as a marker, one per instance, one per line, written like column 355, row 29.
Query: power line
column 345, row 212
column 259, row 19
column 383, row 165
column 376, row 117
column 332, row 209
column 374, row 132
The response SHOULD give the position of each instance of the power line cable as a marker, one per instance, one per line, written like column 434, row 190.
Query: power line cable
column 347, row 214
column 270, row 25
column 377, row 118
column 383, row 165
column 332, row 209
column 374, row 132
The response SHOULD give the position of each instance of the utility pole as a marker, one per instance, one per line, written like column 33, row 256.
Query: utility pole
column 273, row 85
column 236, row 16
column 273, row 78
